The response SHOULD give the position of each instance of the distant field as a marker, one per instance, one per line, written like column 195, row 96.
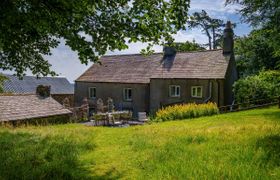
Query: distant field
column 243, row 145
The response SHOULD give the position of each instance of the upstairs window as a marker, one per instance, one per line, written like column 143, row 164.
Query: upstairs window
column 197, row 91
column 174, row 91
column 92, row 92
column 127, row 94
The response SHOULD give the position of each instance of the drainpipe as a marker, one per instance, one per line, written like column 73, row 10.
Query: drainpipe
column 210, row 92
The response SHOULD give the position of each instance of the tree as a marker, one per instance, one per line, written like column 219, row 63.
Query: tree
column 2, row 79
column 188, row 46
column 263, row 15
column 255, row 53
column 264, row 85
column 30, row 29
column 210, row 26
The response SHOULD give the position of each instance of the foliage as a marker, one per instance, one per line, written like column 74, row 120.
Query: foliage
column 43, row 91
column 255, row 53
column 241, row 145
column 2, row 79
column 186, row 111
column 210, row 26
column 30, row 29
column 264, row 15
column 188, row 46
column 263, row 86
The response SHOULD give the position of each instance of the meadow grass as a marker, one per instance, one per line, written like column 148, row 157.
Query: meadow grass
column 242, row 145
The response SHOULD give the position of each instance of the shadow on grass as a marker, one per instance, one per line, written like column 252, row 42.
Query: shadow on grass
column 273, row 115
column 271, row 146
column 30, row 156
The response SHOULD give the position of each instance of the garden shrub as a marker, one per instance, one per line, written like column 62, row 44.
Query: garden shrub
column 186, row 111
column 265, row 85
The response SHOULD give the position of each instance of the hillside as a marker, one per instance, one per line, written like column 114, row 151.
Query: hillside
column 243, row 145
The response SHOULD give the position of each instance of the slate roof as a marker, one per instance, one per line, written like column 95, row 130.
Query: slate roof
column 20, row 107
column 59, row 85
column 136, row 68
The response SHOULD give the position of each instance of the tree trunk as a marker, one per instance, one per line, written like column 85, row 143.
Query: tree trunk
column 209, row 39
column 214, row 38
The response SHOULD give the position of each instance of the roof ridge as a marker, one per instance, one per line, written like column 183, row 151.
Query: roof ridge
column 133, row 54
column 205, row 50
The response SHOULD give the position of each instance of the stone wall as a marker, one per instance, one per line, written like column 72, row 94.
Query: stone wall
column 60, row 97
column 140, row 95
column 58, row 119
column 159, row 92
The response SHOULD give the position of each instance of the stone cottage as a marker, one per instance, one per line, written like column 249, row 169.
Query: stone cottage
column 147, row 83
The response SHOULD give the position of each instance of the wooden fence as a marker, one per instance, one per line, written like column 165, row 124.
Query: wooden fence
column 253, row 104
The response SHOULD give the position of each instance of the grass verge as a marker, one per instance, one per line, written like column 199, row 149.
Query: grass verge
column 242, row 145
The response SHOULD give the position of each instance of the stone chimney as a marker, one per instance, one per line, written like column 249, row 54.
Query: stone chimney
column 228, row 43
column 43, row 91
column 169, row 50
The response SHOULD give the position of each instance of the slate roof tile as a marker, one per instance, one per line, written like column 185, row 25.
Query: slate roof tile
column 137, row 68
column 20, row 107
column 59, row 85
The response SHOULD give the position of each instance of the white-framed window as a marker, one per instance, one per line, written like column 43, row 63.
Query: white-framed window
column 127, row 94
column 92, row 92
column 174, row 91
column 197, row 91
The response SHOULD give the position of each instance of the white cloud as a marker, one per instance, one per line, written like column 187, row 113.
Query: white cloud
column 65, row 62
column 213, row 5
column 190, row 35
column 135, row 48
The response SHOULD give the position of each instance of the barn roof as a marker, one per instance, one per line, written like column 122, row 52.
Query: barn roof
column 59, row 85
column 136, row 68
column 21, row 107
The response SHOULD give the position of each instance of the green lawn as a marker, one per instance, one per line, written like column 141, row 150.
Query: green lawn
column 243, row 145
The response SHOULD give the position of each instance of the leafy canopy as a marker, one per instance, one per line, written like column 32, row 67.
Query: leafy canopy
column 30, row 29
column 254, row 53
column 265, row 15
column 188, row 46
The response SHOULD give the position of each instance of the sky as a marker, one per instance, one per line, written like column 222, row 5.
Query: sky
column 66, row 63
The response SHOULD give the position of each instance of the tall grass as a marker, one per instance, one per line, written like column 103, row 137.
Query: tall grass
column 241, row 145
column 186, row 111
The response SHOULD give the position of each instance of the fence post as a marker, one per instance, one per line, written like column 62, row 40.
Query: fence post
column 279, row 102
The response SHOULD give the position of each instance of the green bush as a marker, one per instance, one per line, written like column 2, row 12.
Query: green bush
column 265, row 85
column 186, row 111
